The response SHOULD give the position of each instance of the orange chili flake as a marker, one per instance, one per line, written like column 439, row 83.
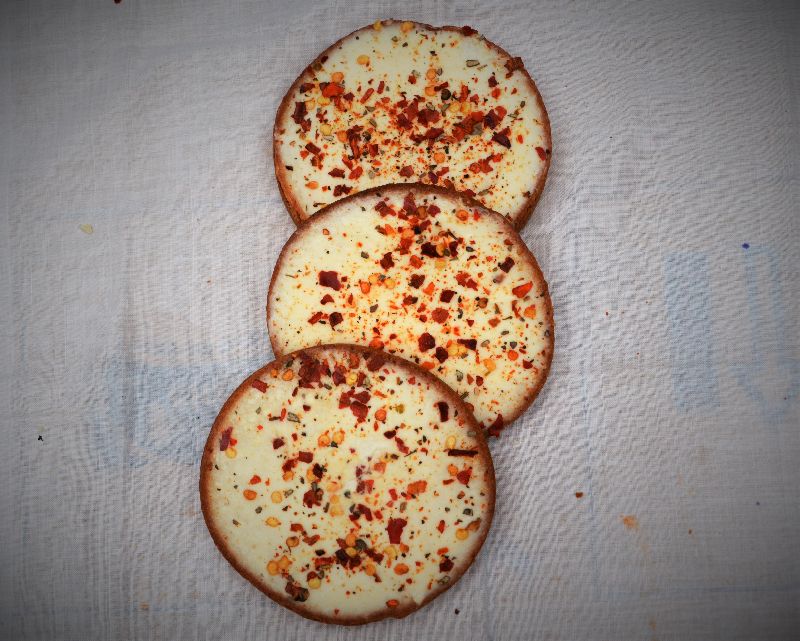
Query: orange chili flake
column 417, row 487
column 512, row 355
column 255, row 479
column 428, row 365
column 392, row 603
column 249, row 494
column 520, row 290
column 530, row 311
column 380, row 415
column 429, row 288
column 376, row 343
column 401, row 568
column 332, row 90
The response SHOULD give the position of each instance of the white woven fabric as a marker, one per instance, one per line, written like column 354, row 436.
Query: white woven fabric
column 668, row 231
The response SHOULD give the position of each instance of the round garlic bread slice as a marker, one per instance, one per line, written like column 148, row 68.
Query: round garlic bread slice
column 408, row 102
column 347, row 484
column 428, row 274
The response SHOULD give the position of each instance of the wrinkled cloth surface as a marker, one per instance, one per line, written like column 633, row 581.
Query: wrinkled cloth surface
column 141, row 221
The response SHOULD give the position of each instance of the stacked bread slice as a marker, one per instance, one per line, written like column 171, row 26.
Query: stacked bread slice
column 350, row 479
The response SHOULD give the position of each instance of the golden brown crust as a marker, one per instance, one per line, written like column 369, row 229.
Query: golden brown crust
column 468, row 202
column 518, row 218
column 206, row 465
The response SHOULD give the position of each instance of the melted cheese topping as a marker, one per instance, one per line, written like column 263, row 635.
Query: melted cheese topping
column 348, row 483
column 405, row 103
column 416, row 274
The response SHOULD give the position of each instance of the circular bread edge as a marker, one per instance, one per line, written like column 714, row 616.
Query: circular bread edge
column 364, row 352
column 518, row 218
column 467, row 202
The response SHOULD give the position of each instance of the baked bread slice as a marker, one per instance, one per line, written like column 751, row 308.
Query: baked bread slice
column 408, row 102
column 347, row 484
column 428, row 274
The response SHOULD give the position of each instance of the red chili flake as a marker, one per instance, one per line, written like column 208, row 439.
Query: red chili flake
column 446, row 564
column 327, row 298
column 330, row 279
column 403, row 122
column 297, row 527
column 315, row 317
column 261, row 386
column 299, row 112
column 306, row 457
column 338, row 376
column 255, row 479
column 462, row 452
column 393, row 494
column 375, row 362
column 465, row 280
column 426, row 342
column 428, row 250
column 541, row 152
column 412, row 79
column 390, row 433
column 441, row 354
column 365, row 486
column 433, row 133
column 313, row 148
column 492, row 81
column 502, row 139
column 359, row 410
column 520, row 290
column 225, row 439
column 310, row 371
column 469, row 343
column 447, row 295
column 366, row 95
column 341, row 190
column 440, row 527
column 336, row 173
column 335, row 318
column 356, row 173
column 417, row 280
column 312, row 498
column 381, row 85
column 464, row 475
column 444, row 410
column 408, row 203
column 429, row 116
column 507, row 264
column 439, row 315
column 514, row 64
column 386, row 261
column 468, row 31
column 496, row 427
column 401, row 445
column 527, row 364
column 277, row 443
column 311, row 540
column 289, row 464
column 395, row 529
